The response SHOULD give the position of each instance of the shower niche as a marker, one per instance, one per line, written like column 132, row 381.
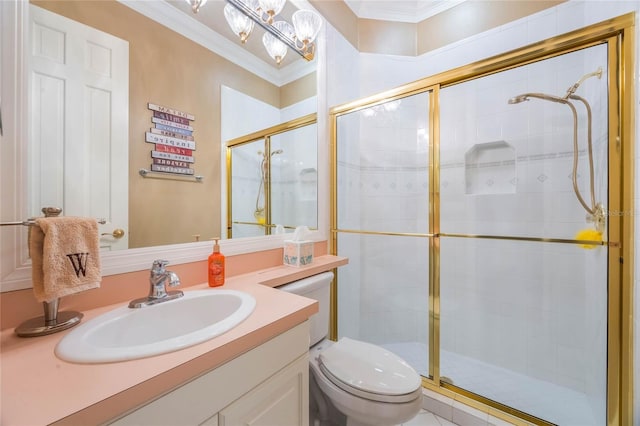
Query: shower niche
column 490, row 168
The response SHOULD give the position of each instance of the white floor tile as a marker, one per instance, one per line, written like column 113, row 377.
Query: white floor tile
column 425, row 418
column 445, row 422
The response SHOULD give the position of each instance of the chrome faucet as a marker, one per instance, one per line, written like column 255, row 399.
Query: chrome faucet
column 157, row 292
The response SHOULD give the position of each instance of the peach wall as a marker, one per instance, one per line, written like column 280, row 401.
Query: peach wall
column 20, row 305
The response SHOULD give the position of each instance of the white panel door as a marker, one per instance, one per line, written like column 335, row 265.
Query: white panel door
column 79, row 122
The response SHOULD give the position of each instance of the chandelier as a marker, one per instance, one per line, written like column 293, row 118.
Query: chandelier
column 241, row 15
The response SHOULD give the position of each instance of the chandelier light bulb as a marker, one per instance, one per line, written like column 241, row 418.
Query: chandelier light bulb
column 277, row 49
column 271, row 8
column 240, row 24
column 241, row 15
column 307, row 25
column 196, row 4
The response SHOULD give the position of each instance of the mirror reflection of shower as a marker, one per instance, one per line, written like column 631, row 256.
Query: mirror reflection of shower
column 595, row 210
column 259, row 213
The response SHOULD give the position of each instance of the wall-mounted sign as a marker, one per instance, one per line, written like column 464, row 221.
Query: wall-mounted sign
column 172, row 136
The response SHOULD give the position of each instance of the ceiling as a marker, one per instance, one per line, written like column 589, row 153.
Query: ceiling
column 412, row 11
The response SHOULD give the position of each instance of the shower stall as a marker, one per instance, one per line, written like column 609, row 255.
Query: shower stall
column 478, row 211
column 272, row 179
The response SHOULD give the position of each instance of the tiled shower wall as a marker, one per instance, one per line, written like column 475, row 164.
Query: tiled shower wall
column 384, row 72
column 383, row 186
column 526, row 307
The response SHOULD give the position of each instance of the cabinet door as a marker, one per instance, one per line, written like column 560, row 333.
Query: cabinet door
column 282, row 400
column 212, row 421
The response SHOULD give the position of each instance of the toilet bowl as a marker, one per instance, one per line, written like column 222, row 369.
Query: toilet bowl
column 366, row 383
column 377, row 388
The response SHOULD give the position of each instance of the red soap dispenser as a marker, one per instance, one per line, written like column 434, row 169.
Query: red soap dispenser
column 215, row 265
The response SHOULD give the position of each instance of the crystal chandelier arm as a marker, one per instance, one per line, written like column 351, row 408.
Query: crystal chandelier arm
column 307, row 53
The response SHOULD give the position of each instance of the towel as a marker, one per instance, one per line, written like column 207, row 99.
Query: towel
column 65, row 256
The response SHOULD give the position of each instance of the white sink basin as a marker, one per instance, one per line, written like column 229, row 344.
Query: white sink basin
column 126, row 333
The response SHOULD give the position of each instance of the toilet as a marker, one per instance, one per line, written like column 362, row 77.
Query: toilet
column 365, row 383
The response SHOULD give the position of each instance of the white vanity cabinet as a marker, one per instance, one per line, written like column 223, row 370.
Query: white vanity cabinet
column 268, row 385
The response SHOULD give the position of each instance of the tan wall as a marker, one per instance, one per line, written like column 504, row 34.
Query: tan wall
column 168, row 69
column 340, row 16
column 473, row 17
column 397, row 38
column 299, row 90
column 386, row 37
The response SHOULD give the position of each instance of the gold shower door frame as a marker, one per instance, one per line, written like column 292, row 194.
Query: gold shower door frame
column 619, row 36
column 263, row 135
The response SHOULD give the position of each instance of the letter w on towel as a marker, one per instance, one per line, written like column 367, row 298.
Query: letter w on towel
column 65, row 255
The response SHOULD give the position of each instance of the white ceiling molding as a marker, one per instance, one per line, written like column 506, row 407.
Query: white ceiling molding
column 172, row 18
column 413, row 11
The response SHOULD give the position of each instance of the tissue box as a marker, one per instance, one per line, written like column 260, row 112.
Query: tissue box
column 298, row 253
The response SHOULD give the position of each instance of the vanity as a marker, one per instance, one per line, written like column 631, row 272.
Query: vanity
column 257, row 372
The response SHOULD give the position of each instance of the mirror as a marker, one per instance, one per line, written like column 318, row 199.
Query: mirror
column 170, row 70
column 273, row 179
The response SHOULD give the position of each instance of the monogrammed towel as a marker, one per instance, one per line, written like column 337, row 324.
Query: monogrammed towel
column 65, row 256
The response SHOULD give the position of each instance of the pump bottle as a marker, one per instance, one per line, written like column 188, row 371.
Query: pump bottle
column 215, row 266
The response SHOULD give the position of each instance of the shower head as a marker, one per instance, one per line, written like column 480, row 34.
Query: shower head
column 518, row 99
column 525, row 97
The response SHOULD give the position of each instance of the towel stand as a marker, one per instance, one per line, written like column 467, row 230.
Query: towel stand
column 52, row 321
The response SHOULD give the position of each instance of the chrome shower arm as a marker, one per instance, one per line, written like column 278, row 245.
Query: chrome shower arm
column 571, row 90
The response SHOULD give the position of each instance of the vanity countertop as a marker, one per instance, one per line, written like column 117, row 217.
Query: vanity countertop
column 38, row 388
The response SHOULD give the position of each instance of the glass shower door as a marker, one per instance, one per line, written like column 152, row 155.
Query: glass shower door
column 383, row 226
column 523, row 305
column 247, row 195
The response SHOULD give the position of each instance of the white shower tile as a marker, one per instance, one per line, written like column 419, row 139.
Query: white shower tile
column 572, row 16
column 542, row 25
column 515, row 127
column 572, row 363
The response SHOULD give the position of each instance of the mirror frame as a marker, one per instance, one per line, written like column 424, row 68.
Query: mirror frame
column 14, row 262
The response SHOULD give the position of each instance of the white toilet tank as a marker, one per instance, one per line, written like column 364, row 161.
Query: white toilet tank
column 316, row 287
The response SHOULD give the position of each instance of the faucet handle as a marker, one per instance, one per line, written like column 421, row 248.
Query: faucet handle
column 159, row 265
column 174, row 280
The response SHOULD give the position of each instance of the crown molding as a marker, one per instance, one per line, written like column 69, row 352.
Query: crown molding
column 172, row 18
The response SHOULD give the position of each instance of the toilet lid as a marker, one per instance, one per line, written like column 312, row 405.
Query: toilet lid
column 369, row 368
